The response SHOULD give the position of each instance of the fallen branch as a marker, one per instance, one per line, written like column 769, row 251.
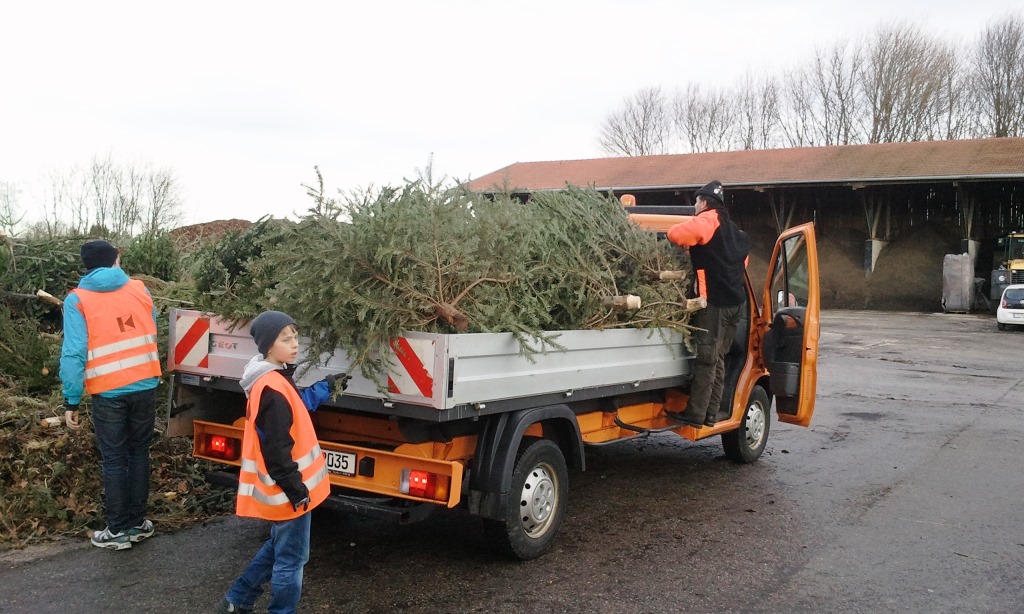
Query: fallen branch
column 17, row 356
column 42, row 295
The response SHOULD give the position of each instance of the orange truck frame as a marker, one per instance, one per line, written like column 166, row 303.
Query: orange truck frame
column 467, row 420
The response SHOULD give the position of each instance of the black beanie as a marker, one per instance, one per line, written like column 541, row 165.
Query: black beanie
column 266, row 327
column 713, row 192
column 97, row 254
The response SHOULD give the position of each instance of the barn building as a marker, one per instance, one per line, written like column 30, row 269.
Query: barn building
column 885, row 214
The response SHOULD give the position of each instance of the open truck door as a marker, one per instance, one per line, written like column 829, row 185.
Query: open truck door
column 792, row 300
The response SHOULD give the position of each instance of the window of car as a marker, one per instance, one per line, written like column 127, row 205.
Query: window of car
column 1014, row 295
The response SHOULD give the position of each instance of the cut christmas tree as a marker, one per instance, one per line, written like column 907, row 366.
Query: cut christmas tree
column 356, row 273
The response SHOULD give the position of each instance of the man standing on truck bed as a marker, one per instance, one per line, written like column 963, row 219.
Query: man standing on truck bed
column 718, row 251
column 110, row 350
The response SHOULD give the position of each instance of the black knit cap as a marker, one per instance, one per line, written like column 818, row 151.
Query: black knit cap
column 266, row 327
column 97, row 254
column 713, row 193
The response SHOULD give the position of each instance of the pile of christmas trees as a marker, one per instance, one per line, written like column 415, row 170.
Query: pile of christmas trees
column 358, row 271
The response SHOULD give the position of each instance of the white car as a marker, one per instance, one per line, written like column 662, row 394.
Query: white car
column 1011, row 307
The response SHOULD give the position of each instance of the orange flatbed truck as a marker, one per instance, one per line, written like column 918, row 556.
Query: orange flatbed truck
column 469, row 420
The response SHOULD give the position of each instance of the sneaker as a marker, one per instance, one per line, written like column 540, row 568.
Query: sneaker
column 108, row 539
column 226, row 607
column 141, row 532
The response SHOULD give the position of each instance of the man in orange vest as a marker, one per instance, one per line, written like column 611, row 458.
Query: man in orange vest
column 718, row 252
column 110, row 352
column 283, row 474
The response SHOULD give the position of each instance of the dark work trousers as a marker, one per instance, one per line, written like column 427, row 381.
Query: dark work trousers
column 124, row 430
column 712, row 343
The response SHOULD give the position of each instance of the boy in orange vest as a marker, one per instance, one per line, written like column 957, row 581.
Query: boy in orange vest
column 110, row 352
column 283, row 474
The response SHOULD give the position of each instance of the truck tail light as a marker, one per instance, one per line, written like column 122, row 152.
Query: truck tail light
column 423, row 484
column 220, row 446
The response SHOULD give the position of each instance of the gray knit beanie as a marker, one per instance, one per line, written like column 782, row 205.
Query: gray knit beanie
column 266, row 327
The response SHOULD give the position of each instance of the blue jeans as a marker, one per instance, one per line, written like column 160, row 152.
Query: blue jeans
column 280, row 561
column 124, row 430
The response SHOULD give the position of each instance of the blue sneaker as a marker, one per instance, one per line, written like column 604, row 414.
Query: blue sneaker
column 141, row 532
column 110, row 540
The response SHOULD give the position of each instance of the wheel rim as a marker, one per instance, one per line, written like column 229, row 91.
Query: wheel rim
column 753, row 426
column 538, row 500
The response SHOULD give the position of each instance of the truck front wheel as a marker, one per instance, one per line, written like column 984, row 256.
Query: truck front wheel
column 536, row 502
column 745, row 444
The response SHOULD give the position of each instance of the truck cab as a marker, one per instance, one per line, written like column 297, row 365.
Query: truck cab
column 1008, row 267
column 467, row 420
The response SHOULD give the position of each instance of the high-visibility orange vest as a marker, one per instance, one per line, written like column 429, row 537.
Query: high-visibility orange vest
column 259, row 496
column 121, row 337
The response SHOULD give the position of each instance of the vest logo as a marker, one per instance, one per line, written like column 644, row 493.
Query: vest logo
column 126, row 323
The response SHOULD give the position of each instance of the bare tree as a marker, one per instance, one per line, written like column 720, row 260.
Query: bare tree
column 757, row 101
column 999, row 66
column 9, row 216
column 705, row 121
column 163, row 204
column 950, row 114
column 835, row 103
column 899, row 80
column 640, row 128
column 111, row 200
column 796, row 116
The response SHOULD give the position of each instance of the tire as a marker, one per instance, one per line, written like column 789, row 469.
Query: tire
column 1000, row 326
column 536, row 502
column 745, row 444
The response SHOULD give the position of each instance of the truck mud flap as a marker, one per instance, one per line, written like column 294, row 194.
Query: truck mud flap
column 387, row 508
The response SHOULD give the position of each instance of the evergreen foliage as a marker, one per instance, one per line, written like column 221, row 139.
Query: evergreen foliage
column 49, row 264
column 230, row 275
column 153, row 254
column 27, row 358
column 441, row 259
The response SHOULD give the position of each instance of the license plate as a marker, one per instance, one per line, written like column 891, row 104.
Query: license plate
column 343, row 463
column 1018, row 316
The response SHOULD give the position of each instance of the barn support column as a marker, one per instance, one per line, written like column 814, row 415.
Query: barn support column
column 969, row 205
column 874, row 210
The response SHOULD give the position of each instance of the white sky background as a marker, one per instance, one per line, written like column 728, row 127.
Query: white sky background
column 241, row 99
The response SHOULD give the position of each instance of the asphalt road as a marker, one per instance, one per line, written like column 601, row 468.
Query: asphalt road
column 903, row 495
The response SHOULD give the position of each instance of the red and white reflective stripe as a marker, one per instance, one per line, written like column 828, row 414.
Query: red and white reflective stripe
column 413, row 369
column 192, row 348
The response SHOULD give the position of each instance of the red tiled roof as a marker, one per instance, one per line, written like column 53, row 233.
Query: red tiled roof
column 884, row 162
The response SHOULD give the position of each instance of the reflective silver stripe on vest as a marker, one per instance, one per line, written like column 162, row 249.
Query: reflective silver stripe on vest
column 303, row 462
column 249, row 490
column 118, row 365
column 120, row 346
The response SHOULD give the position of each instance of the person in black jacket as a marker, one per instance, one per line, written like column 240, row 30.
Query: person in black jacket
column 718, row 252
column 283, row 474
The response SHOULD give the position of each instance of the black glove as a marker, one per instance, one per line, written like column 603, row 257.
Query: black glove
column 304, row 503
column 341, row 378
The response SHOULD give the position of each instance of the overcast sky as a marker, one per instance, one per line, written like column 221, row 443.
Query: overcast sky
column 242, row 99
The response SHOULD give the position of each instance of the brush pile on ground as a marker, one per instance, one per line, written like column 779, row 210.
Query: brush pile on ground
column 356, row 273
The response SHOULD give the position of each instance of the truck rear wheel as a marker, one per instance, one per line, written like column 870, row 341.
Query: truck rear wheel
column 536, row 502
column 745, row 444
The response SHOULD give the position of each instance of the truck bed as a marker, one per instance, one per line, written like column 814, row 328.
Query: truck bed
column 442, row 377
